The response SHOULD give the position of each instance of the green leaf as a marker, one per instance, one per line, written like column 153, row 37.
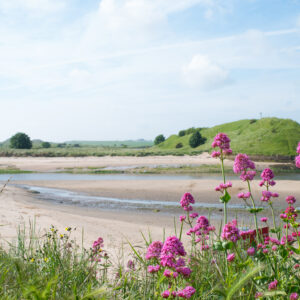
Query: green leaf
column 218, row 246
column 225, row 198
column 241, row 281
column 274, row 293
column 255, row 210
column 227, row 245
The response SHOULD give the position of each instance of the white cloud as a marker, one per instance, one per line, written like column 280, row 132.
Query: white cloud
column 200, row 71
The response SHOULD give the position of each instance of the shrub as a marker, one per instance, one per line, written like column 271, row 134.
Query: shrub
column 179, row 145
column 196, row 140
column 181, row 133
column 46, row 145
column 20, row 141
column 159, row 139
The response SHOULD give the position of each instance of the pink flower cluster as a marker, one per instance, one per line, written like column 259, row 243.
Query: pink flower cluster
column 231, row 232
column 273, row 285
column 294, row 296
column 297, row 158
column 154, row 250
column 267, row 195
column 290, row 199
column 186, row 200
column 223, row 186
column 221, row 141
column 185, row 293
column 242, row 164
column 172, row 248
column 267, row 175
column 244, row 196
column 97, row 249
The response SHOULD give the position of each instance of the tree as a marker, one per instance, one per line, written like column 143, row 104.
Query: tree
column 159, row 139
column 20, row 141
column 196, row 139
column 181, row 133
column 46, row 145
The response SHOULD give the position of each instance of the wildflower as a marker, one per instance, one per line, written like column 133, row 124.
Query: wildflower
column 186, row 200
column 223, row 186
column 222, row 141
column 130, row 265
column 231, row 232
column 297, row 161
column 274, row 248
column 296, row 266
column 153, row 269
column 215, row 154
column 244, row 195
column 187, row 292
column 264, row 219
column 290, row 199
column 182, row 218
column 61, row 236
column 32, row 259
column 68, row 228
column 46, row 259
column 168, row 273
column 273, row 285
column 251, row 251
column 258, row 295
column 185, row 271
column 194, row 215
column 241, row 163
column 171, row 248
column 165, row 294
column 154, row 250
column 265, row 251
column 294, row 296
column 230, row 257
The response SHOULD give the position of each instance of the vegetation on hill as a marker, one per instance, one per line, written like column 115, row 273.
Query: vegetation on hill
column 267, row 136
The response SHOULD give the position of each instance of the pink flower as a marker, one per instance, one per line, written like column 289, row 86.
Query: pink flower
column 172, row 248
column 274, row 248
column 273, row 285
column 251, row 251
column 167, row 294
column 258, row 295
column 231, row 257
column 244, row 195
column 294, row 296
column 215, row 154
column 187, row 292
column 222, row 141
column 154, row 250
column 231, row 232
column 153, row 269
column 290, row 199
column 182, row 218
column 267, row 174
column 185, row 271
column 194, row 215
column 186, row 200
column 264, row 219
column 242, row 162
column 297, row 161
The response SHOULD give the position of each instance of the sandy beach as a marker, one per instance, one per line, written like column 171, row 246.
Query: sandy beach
column 51, row 164
column 18, row 206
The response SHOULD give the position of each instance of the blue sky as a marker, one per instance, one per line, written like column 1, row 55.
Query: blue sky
column 127, row 69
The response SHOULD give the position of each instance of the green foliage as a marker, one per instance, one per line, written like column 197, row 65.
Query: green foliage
column 179, row 145
column 181, row 133
column 159, row 139
column 196, row 140
column 272, row 137
column 46, row 145
column 20, row 141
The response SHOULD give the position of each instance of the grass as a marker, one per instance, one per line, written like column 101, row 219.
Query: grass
column 13, row 171
column 268, row 136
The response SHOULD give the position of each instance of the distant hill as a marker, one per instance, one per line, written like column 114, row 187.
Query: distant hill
column 127, row 143
column 267, row 136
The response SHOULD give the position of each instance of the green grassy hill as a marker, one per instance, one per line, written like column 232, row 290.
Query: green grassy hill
column 267, row 136
column 129, row 143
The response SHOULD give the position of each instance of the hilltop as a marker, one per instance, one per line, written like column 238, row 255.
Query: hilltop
column 267, row 136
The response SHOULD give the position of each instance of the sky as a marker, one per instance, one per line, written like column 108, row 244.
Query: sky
column 130, row 69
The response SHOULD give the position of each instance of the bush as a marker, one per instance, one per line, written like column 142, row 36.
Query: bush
column 20, row 141
column 46, row 145
column 196, row 140
column 181, row 133
column 179, row 145
column 159, row 139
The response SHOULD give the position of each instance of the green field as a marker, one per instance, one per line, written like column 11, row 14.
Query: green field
column 267, row 136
